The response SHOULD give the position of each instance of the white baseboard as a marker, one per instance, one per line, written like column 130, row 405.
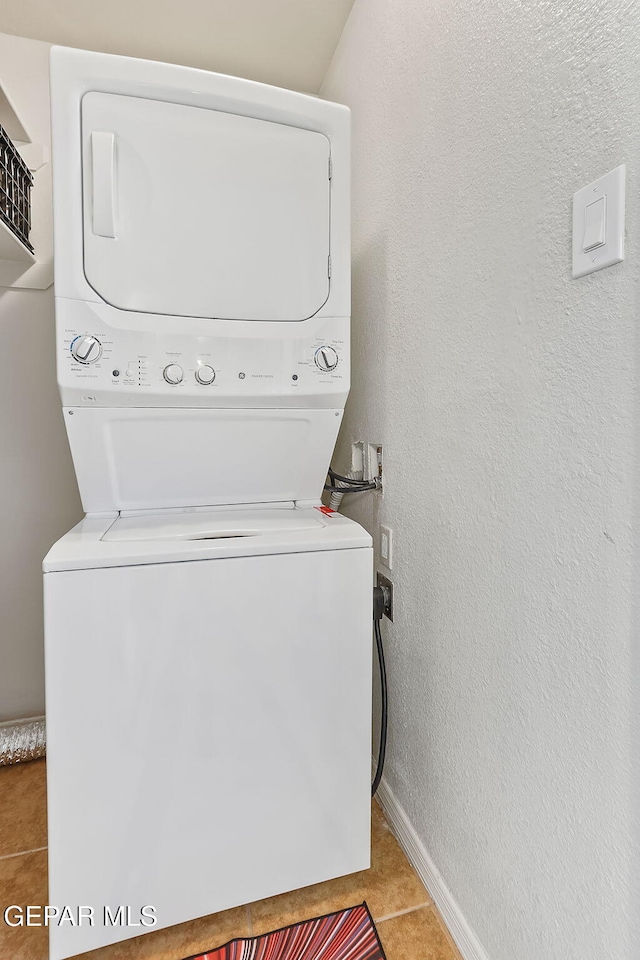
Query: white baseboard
column 464, row 937
column 11, row 723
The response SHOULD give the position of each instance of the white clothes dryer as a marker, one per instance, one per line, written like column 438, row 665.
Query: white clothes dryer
column 208, row 624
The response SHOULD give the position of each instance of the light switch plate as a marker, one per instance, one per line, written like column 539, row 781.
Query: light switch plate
column 386, row 546
column 611, row 188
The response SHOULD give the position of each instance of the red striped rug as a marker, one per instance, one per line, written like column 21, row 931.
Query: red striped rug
column 346, row 935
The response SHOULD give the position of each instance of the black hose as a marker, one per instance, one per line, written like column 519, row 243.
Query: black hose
column 382, row 747
column 349, row 480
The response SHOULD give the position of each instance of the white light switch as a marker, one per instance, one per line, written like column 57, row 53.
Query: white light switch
column 598, row 223
column 594, row 224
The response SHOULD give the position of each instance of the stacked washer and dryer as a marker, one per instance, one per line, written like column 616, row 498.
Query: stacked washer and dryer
column 208, row 624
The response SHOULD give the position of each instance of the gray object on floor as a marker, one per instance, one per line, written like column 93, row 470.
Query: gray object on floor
column 22, row 740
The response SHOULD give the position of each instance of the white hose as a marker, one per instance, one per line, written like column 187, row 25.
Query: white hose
column 336, row 498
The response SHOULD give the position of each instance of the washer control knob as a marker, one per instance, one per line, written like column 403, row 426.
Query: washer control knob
column 326, row 358
column 86, row 349
column 205, row 374
column 173, row 373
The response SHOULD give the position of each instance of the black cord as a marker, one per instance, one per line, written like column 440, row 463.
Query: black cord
column 362, row 489
column 382, row 747
column 349, row 485
column 350, row 480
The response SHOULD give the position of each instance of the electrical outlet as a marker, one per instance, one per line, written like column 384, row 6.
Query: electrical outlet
column 387, row 586
column 386, row 546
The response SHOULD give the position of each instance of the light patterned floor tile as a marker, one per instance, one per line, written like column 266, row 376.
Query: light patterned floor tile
column 23, row 881
column 416, row 936
column 23, row 807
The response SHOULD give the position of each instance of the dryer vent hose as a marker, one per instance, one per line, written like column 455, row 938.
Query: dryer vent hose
column 336, row 498
column 22, row 740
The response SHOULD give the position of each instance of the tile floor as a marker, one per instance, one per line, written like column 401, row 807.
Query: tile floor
column 409, row 927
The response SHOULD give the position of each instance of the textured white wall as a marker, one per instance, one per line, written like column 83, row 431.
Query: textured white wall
column 38, row 492
column 505, row 396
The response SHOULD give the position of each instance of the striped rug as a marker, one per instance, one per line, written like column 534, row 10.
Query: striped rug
column 347, row 935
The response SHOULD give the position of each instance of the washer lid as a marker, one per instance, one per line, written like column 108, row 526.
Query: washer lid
column 295, row 530
column 211, row 524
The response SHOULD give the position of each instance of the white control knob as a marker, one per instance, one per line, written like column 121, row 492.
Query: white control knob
column 326, row 358
column 205, row 374
column 173, row 373
column 86, row 349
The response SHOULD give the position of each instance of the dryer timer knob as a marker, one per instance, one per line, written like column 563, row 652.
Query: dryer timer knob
column 86, row 349
column 326, row 358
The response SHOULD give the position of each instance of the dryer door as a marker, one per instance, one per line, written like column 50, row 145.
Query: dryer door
column 194, row 212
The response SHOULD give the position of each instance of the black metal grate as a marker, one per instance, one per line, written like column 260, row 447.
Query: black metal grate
column 15, row 190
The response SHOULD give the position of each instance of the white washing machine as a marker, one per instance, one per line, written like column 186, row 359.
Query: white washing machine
column 208, row 624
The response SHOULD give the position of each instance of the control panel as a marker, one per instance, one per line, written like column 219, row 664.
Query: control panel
column 102, row 365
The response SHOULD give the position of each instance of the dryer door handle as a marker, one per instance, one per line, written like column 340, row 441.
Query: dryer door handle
column 103, row 167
